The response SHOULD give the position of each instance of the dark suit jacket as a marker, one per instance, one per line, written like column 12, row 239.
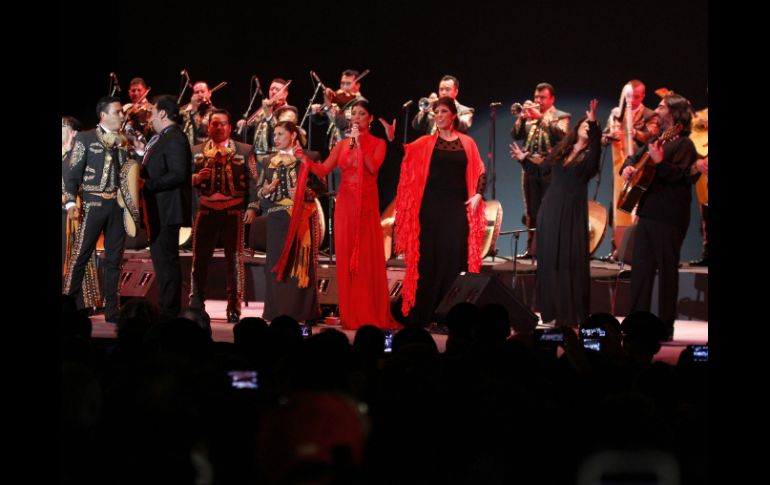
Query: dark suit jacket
column 166, row 171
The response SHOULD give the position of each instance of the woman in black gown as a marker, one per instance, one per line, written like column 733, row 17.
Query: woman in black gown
column 439, row 213
column 563, row 266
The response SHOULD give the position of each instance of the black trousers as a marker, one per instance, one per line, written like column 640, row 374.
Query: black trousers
column 210, row 225
column 656, row 249
column 100, row 215
column 534, row 186
column 164, row 251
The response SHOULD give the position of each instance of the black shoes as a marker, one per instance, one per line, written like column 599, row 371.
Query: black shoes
column 525, row 255
column 233, row 317
column 704, row 261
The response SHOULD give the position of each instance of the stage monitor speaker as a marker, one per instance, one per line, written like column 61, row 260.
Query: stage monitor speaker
column 137, row 278
column 395, row 282
column 483, row 289
column 327, row 285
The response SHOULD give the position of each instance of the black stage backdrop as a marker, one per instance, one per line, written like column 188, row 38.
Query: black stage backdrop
column 499, row 52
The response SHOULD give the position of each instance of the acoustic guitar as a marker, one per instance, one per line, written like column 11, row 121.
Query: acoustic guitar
column 640, row 181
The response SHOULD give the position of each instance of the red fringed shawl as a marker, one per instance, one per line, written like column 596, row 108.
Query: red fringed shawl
column 297, row 240
column 411, row 185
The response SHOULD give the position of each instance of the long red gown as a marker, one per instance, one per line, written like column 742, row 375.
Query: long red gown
column 361, row 278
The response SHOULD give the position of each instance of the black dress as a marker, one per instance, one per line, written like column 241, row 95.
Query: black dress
column 563, row 263
column 443, row 229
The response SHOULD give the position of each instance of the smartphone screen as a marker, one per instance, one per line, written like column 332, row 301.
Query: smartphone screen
column 388, row 341
column 593, row 344
column 243, row 379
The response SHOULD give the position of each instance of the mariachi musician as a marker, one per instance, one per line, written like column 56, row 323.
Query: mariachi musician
column 631, row 124
column 274, row 109
column 338, row 104
column 196, row 113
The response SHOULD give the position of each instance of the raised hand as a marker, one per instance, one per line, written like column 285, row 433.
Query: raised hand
column 591, row 113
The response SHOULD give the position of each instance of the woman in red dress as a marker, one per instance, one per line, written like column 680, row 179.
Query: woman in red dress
column 361, row 280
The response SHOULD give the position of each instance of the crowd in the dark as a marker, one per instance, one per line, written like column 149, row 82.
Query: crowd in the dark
column 164, row 403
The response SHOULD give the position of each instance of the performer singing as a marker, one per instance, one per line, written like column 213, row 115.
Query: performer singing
column 439, row 212
column 563, row 265
column 361, row 279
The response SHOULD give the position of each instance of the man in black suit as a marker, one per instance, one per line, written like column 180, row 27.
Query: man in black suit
column 167, row 189
column 94, row 166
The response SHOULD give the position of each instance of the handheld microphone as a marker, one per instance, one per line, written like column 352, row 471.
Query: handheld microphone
column 353, row 138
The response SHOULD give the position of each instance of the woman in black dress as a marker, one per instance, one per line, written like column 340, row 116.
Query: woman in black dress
column 563, row 265
column 439, row 213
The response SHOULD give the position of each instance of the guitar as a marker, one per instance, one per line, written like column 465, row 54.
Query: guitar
column 700, row 138
column 640, row 181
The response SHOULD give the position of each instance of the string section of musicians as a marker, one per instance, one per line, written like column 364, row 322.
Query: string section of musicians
column 193, row 174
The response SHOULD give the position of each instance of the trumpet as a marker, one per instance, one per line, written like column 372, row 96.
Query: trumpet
column 425, row 103
column 517, row 108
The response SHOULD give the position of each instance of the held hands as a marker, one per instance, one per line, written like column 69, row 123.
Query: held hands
column 628, row 172
column 517, row 152
column 591, row 113
column 473, row 201
column 390, row 130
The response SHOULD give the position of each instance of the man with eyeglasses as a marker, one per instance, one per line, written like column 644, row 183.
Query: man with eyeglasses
column 224, row 176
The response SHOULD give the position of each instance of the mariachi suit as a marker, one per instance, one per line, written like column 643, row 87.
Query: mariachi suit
column 94, row 166
column 167, row 206
column 233, row 179
column 539, row 136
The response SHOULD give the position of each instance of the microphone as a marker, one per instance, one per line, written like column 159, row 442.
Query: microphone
column 494, row 105
column 353, row 138
column 408, row 104
column 317, row 79
column 117, row 84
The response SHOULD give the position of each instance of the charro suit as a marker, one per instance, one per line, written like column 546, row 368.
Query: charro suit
column 222, row 195
column 94, row 166
column 167, row 205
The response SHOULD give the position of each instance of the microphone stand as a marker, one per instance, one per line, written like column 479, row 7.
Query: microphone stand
column 307, row 113
column 245, row 129
column 491, row 157
column 491, row 153
column 611, row 209
column 516, row 235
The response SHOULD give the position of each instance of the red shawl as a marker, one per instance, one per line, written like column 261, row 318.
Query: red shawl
column 411, row 185
column 298, row 237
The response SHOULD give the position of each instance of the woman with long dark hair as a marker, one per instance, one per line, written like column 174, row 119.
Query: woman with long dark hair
column 563, row 263
column 361, row 279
